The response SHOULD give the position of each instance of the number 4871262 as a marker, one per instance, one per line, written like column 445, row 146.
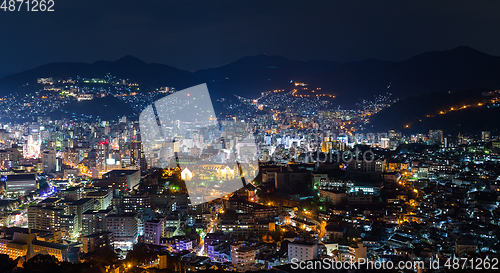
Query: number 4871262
column 27, row 5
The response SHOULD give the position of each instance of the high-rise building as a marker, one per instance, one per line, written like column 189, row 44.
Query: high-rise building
column 44, row 218
column 94, row 221
column 131, row 204
column 302, row 251
column 436, row 137
column 102, row 199
column 153, row 231
column 78, row 208
column 384, row 143
column 242, row 257
column 135, row 152
column 68, row 225
column 97, row 241
column 72, row 193
column 49, row 161
column 124, row 229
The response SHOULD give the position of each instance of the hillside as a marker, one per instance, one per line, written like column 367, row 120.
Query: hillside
column 461, row 68
column 451, row 111
column 149, row 76
column 251, row 75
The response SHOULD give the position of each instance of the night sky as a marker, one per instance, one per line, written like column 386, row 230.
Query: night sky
column 193, row 35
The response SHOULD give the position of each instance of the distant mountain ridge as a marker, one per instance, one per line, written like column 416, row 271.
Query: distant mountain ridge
column 473, row 111
column 147, row 75
column 461, row 68
column 251, row 75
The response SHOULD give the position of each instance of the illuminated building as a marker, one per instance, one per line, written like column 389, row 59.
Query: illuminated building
column 21, row 244
column 303, row 224
column 318, row 180
column 247, row 149
column 124, row 228
column 397, row 166
column 435, row 137
column 102, row 199
column 135, row 152
column 423, row 173
column 242, row 257
column 359, row 198
column 485, row 136
column 72, row 193
column 186, row 174
column 257, row 210
column 68, row 225
column 384, row 143
column 392, row 177
column 78, row 208
column 153, row 231
column 123, row 180
column 218, row 252
column 113, row 164
column 45, row 81
column 9, row 156
column 94, row 221
column 131, row 204
column 101, row 154
column 21, row 182
column 377, row 165
column 302, row 251
column 70, row 174
column 82, row 96
column 49, row 162
column 326, row 146
column 372, row 187
column 32, row 148
column 97, row 241
column 357, row 253
column 244, row 228
column 334, row 197
column 44, row 218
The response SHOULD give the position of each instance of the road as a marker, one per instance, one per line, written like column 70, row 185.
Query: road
column 210, row 229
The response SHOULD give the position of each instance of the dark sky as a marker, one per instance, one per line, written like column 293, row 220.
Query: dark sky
column 205, row 33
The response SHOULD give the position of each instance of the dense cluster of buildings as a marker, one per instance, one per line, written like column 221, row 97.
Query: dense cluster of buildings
column 324, row 189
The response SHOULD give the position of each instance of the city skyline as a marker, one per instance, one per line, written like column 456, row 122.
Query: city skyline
column 176, row 136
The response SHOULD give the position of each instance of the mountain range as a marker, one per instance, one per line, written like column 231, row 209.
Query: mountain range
column 472, row 113
column 148, row 76
column 249, row 76
column 424, row 83
column 460, row 68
